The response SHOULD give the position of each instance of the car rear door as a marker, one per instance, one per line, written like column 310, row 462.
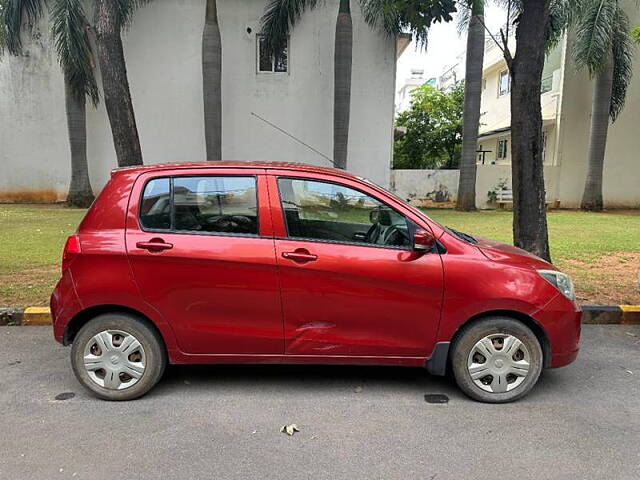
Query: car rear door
column 201, row 249
column 351, row 288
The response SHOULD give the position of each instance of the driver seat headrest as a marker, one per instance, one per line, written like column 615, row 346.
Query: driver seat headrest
column 381, row 216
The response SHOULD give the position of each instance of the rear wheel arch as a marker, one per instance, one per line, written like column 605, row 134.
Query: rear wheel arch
column 85, row 316
column 515, row 315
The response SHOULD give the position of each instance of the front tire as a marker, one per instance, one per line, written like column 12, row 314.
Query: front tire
column 497, row 360
column 117, row 356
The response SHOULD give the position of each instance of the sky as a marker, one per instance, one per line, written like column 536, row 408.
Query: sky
column 443, row 47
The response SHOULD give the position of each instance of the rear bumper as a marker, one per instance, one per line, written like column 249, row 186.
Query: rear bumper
column 63, row 303
column 560, row 319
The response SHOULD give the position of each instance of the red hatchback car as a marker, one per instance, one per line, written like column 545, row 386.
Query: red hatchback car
column 286, row 263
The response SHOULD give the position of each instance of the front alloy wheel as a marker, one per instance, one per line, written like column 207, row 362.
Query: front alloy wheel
column 496, row 360
column 499, row 363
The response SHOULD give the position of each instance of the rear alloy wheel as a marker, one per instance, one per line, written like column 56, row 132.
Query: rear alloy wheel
column 497, row 360
column 117, row 357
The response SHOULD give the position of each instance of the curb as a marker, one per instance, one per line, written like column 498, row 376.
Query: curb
column 591, row 314
column 611, row 314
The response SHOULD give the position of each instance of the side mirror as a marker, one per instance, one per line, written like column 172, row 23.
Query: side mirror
column 423, row 240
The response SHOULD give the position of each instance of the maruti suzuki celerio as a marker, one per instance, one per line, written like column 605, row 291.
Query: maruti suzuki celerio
column 288, row 263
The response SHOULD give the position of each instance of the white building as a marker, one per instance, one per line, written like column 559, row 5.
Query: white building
column 404, row 93
column 163, row 54
column 453, row 73
column 566, row 114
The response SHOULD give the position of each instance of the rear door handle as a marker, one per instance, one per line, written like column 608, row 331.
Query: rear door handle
column 300, row 256
column 154, row 245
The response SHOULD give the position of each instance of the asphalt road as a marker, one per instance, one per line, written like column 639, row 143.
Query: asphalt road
column 222, row 422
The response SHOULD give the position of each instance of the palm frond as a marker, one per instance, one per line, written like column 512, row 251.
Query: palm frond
column 382, row 14
column 561, row 15
column 279, row 18
column 14, row 16
column 70, row 28
column 622, row 52
column 594, row 34
column 411, row 16
column 464, row 17
column 635, row 34
column 126, row 9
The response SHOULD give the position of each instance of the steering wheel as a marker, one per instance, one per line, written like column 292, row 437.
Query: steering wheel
column 232, row 223
column 394, row 237
column 373, row 233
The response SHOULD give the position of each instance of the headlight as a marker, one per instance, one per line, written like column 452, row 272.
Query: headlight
column 561, row 281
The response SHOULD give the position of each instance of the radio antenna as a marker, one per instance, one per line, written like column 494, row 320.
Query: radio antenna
column 294, row 138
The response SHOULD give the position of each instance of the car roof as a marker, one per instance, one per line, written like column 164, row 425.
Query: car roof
column 290, row 166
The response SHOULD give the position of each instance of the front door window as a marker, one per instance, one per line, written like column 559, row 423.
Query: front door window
column 325, row 211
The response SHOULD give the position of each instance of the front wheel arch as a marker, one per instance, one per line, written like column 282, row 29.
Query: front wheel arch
column 519, row 316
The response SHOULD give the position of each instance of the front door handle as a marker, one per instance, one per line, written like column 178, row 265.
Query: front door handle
column 300, row 255
column 155, row 245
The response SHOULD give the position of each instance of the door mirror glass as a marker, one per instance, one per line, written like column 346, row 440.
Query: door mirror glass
column 423, row 240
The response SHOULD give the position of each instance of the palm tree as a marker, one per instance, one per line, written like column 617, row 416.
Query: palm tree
column 212, row 82
column 70, row 34
column 110, row 18
column 603, row 47
column 3, row 28
column 472, row 97
column 392, row 16
column 342, row 60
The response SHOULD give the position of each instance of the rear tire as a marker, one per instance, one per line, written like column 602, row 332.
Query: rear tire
column 117, row 356
column 497, row 360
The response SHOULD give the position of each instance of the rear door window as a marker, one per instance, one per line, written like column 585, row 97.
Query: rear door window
column 155, row 210
column 213, row 204
column 216, row 204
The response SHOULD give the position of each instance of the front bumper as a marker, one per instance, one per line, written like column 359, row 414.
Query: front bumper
column 560, row 319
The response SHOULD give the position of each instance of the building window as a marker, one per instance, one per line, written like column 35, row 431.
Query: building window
column 503, row 145
column 504, row 83
column 278, row 62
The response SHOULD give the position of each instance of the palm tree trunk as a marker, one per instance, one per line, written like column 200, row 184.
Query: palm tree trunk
column 471, row 115
column 115, row 85
column 342, row 84
column 529, row 214
column 212, row 82
column 592, row 196
column 80, row 193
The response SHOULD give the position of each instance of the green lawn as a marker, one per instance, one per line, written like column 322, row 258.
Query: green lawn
column 600, row 251
column 31, row 241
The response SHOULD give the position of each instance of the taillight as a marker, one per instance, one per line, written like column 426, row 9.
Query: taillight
column 71, row 249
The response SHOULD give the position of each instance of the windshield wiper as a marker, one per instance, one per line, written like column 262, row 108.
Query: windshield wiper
column 464, row 236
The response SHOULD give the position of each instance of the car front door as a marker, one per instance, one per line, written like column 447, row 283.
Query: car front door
column 352, row 286
column 202, row 253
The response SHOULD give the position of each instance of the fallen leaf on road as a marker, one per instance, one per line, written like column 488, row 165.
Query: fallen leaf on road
column 357, row 389
column 631, row 334
column 289, row 429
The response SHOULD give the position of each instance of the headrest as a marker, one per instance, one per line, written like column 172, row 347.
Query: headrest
column 381, row 216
